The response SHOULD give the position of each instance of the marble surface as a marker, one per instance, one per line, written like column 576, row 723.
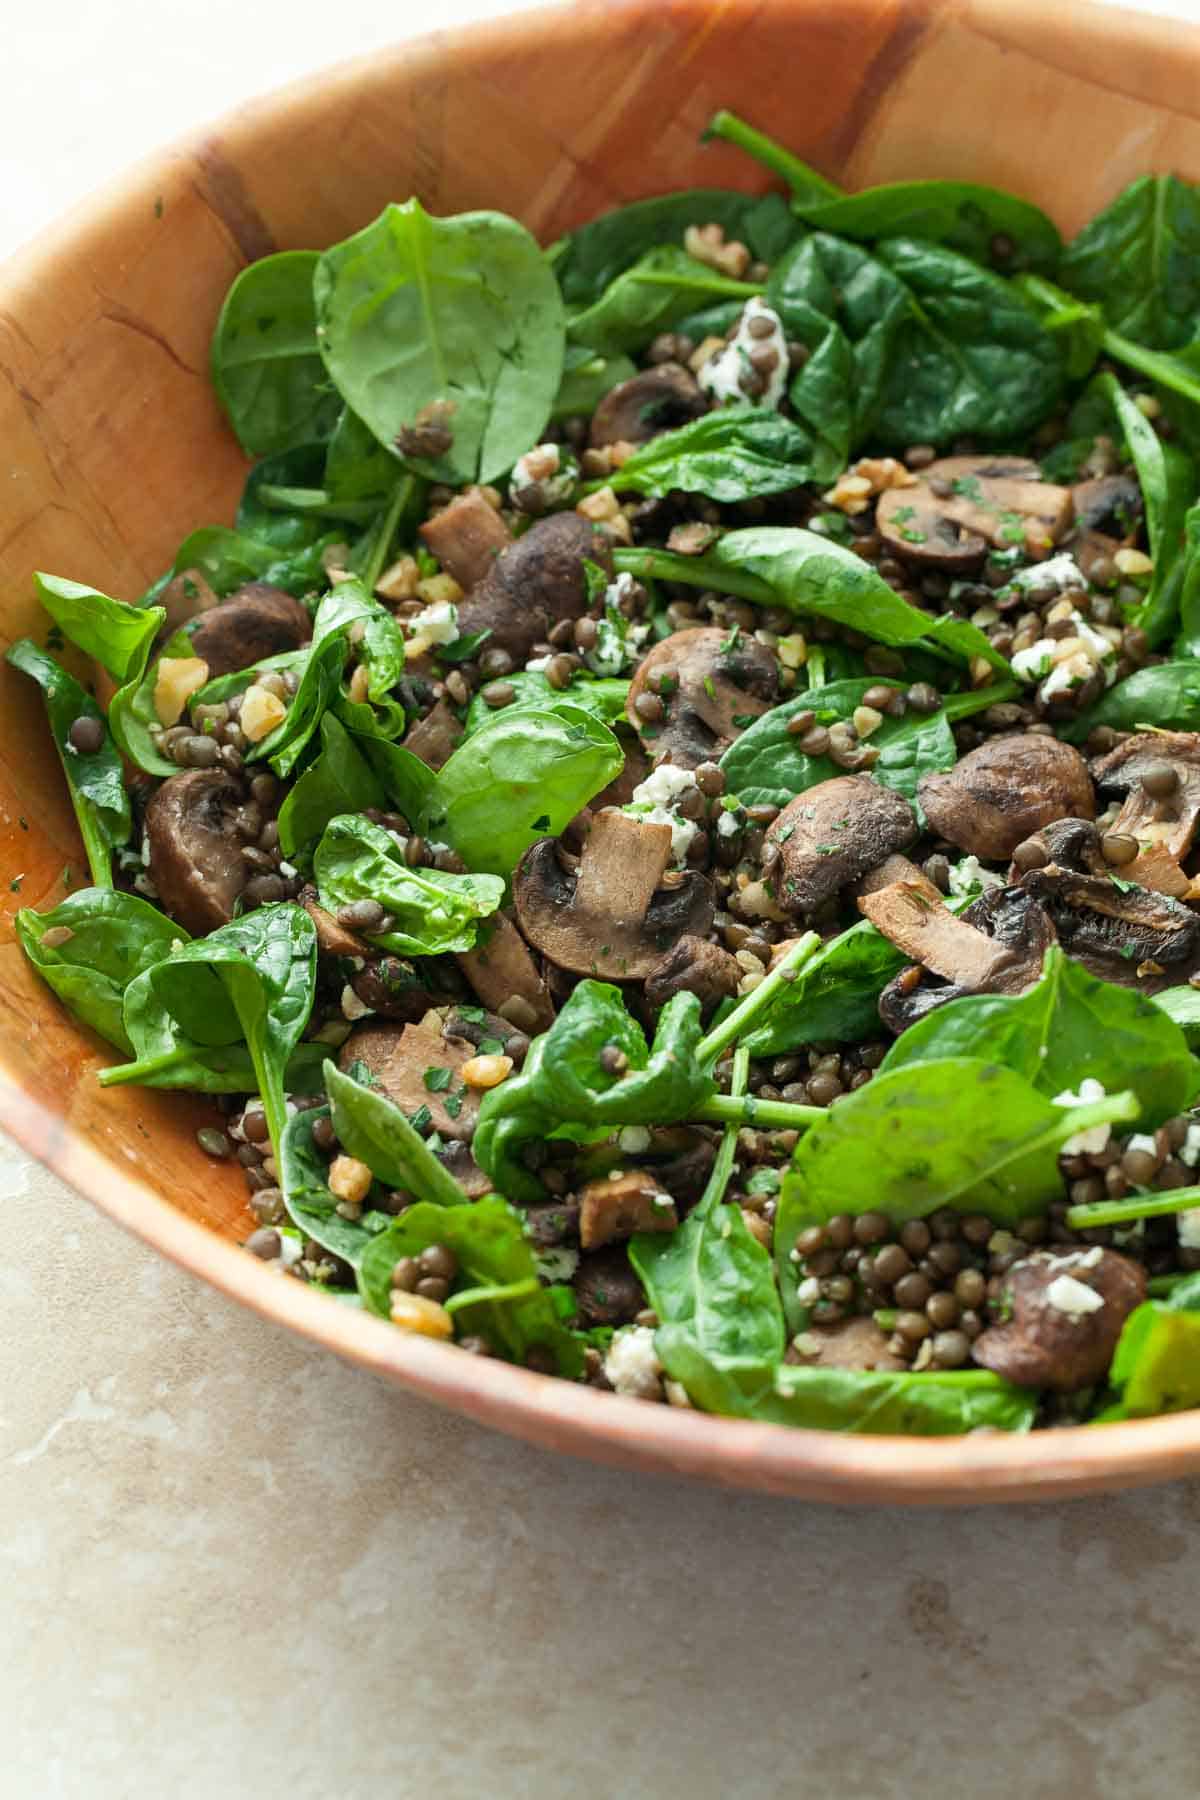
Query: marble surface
column 232, row 1566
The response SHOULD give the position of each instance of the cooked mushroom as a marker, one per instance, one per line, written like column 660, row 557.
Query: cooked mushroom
column 655, row 400
column 185, row 596
column 1111, row 504
column 634, row 771
column 1068, row 843
column 1125, row 934
column 612, row 916
column 607, row 1290
column 1159, row 775
column 400, row 1057
column 697, row 690
column 536, row 583
column 999, row 794
column 913, row 915
column 680, row 1158
column 396, row 989
column 625, row 1201
column 256, row 622
column 466, row 537
column 436, row 737
column 962, row 505
column 505, row 977
column 553, row 1223
column 195, row 854
column 332, row 939
column 1066, row 1314
column 833, row 833
column 855, row 1344
column 1011, row 919
column 694, row 966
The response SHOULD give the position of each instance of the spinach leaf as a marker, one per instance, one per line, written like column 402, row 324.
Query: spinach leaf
column 414, row 310
column 432, row 911
column 114, row 937
column 112, row 632
column 519, row 778
column 265, row 363
column 1168, row 483
column 1176, row 371
column 592, row 257
column 95, row 778
column 252, row 981
column 602, row 697
column 766, row 767
column 228, row 559
column 357, row 465
column 1182, row 1004
column 1139, row 260
column 504, row 1300
column 1065, row 1028
column 587, row 377
column 1163, row 694
column 133, row 718
column 311, row 1206
column 372, row 1128
column 564, row 1089
column 1188, row 642
column 735, row 453
column 835, row 996
column 932, row 1404
column 1156, row 1365
column 339, row 780
column 260, row 514
column 658, row 290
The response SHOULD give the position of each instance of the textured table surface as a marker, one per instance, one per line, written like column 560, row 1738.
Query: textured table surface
column 233, row 1566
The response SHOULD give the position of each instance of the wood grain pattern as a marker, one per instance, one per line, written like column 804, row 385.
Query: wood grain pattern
column 113, row 448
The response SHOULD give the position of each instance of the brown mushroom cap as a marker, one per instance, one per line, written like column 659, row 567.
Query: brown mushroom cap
column 1013, row 920
column 612, row 916
column 536, row 583
column 833, row 834
column 436, row 737
column 606, row 1288
column 398, row 1058
column 1044, row 1346
column 1001, row 793
column 1128, row 935
column 195, row 855
column 256, row 622
column 961, row 505
column 1108, row 503
column 694, row 966
column 500, row 969
column 1168, row 823
column 913, row 915
column 711, row 683
column 857, row 1343
column 396, row 989
column 332, row 939
column 655, row 400
column 1068, row 843
column 466, row 537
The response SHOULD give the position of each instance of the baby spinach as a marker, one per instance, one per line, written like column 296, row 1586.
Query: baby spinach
column 372, row 1128
column 591, row 258
column 277, row 505
column 357, row 466
column 339, row 780
column 432, row 911
column 1168, row 483
column 228, row 559
column 1083, row 330
column 1067, row 1027
column 114, row 937
column 653, row 295
column 564, row 1089
column 266, row 366
column 835, row 996
column 311, row 1206
column 586, row 378
column 413, row 311
column 1138, row 260
column 94, row 778
column 1182, row 1004
column 1163, row 694
column 132, row 715
column 603, row 697
column 1188, row 642
column 1156, row 1365
column 112, row 632
column 252, row 981
column 735, row 453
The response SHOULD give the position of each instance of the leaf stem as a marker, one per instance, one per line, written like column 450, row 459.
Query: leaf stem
column 722, row 1168
column 145, row 1068
column 779, row 1114
column 739, row 1020
column 804, row 182
column 513, row 1290
column 1160, row 1285
column 374, row 565
column 695, row 571
column 1137, row 1206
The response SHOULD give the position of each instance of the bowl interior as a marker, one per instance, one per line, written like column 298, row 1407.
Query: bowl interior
column 114, row 449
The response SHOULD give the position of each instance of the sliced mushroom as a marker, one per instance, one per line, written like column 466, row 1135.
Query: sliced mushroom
column 710, row 684
column 436, row 737
column 396, row 989
column 195, row 854
column 553, row 1223
column 1111, row 504
column 655, row 400
column 914, row 916
column 455, row 1155
column 536, row 583
column 963, row 505
column 999, row 794
column 612, row 916
column 1066, row 1316
column 466, row 537
column 1011, row 919
column 505, row 976
column 332, row 939
column 1159, row 775
column 256, row 622
column 607, row 1290
column 399, row 1058
column 680, row 1157
column 855, row 1344
column 1068, row 843
column 1126, row 934
column 694, row 966
column 625, row 1201
column 834, row 833
column 185, row 596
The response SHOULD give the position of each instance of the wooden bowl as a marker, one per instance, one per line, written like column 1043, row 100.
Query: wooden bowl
column 113, row 448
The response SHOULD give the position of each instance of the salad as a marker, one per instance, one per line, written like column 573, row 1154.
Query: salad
column 667, row 825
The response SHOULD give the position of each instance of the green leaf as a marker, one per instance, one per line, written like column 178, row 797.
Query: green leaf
column 112, row 632
column 735, row 453
column 1162, row 694
column 1156, row 1365
column 1168, row 484
column 432, row 911
column 414, row 310
column 653, row 295
column 593, row 257
column 835, row 996
column 587, row 377
column 601, row 696
column 132, row 717
column 1139, row 260
column 114, row 937
column 265, row 364
column 357, row 465
column 372, row 1128
column 1182, row 1004
column 310, row 1204
column 263, row 518
column 339, row 780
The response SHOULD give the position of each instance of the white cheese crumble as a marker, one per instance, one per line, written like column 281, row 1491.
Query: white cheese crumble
column 968, row 876
column 1074, row 1298
column 1142, row 1140
column 632, row 1365
column 728, row 824
column 544, row 467
column 1188, row 1225
column 1061, row 664
column 1051, row 576
column 438, row 623
column 559, row 1263
column 1095, row 1138
column 618, row 640
column 633, row 1139
column 1189, row 1150
column 721, row 374
column 653, row 801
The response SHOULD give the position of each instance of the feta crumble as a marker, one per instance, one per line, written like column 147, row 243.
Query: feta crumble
column 721, row 374
column 654, row 801
column 632, row 1365
column 1074, row 1298
column 1188, row 1226
column 1052, row 576
column 544, row 467
column 618, row 640
column 438, row 623
column 1095, row 1138
column 559, row 1263
column 968, row 876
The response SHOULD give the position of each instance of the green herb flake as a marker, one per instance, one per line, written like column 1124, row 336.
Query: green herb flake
column 437, row 1080
column 420, row 1118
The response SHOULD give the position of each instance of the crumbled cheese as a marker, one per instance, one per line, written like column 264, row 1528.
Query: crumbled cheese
column 291, row 1251
column 1189, row 1150
column 728, row 825
column 1142, row 1140
column 436, row 624
column 558, row 1263
column 721, row 374
column 1092, row 1141
column 632, row 1366
column 654, row 799
column 537, row 665
column 1074, row 1298
column 633, row 1139
column 968, row 876
column 352, row 1006
column 543, row 467
column 1061, row 664
column 618, row 640
column 1051, row 577
column 1188, row 1224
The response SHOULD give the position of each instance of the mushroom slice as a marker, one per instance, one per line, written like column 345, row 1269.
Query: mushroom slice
column 332, row 939
column 256, row 622
column 1111, row 504
column 625, row 1201
column 998, row 795
column 1066, row 1314
column 396, row 989
column 536, row 583
column 1128, row 935
column 195, row 855
column 612, row 917
column 400, row 1058
column 1164, row 821
column 833, row 833
column 607, row 1289
column 435, row 737
column 502, row 973
column 712, row 683
column 963, row 504
column 1069, row 843
column 655, row 400
column 1019, row 930
column 466, row 537
column 694, row 966
column 914, row 916
column 856, row 1344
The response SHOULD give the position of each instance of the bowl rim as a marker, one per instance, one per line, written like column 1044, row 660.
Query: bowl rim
column 779, row 1459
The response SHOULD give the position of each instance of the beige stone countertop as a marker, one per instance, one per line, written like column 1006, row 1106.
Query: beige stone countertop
column 234, row 1567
